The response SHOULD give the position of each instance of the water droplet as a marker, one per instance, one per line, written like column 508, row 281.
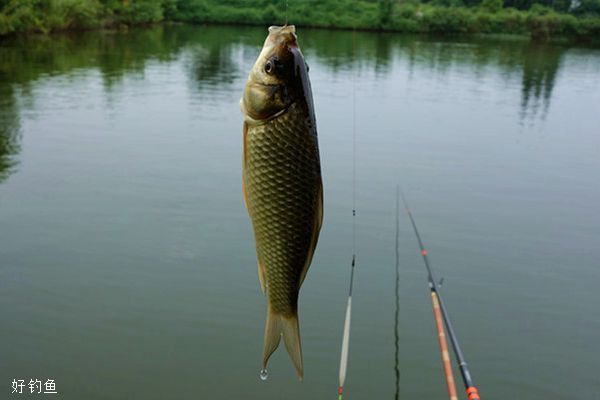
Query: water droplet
column 263, row 374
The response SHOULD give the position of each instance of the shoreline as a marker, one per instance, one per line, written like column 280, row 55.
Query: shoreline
column 123, row 28
column 538, row 23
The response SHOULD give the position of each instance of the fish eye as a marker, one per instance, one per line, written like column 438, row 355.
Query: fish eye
column 269, row 67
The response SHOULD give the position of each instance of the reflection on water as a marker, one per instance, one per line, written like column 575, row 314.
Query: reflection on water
column 214, row 55
column 213, row 61
column 9, row 131
column 540, row 65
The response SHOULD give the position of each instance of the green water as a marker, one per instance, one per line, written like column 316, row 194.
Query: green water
column 127, row 263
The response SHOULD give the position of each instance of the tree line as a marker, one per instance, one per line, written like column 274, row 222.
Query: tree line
column 538, row 18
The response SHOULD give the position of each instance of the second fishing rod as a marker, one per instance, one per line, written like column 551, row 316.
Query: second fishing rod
column 434, row 286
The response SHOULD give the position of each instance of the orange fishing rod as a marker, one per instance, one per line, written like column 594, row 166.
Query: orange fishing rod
column 436, row 297
column 443, row 347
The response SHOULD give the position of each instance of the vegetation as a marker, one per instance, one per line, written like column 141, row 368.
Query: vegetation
column 540, row 18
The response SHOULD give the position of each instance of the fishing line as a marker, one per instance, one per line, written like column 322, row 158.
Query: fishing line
column 434, row 286
column 346, row 334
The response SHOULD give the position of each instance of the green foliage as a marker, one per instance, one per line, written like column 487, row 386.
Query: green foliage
column 169, row 9
column 385, row 12
column 492, row 6
column 45, row 16
column 539, row 18
column 539, row 9
column 541, row 26
column 141, row 11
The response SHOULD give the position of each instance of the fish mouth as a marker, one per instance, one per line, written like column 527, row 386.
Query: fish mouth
column 282, row 29
column 282, row 35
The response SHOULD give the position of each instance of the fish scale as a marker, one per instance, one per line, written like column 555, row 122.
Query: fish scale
column 283, row 179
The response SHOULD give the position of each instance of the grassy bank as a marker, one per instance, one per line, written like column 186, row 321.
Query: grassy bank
column 540, row 20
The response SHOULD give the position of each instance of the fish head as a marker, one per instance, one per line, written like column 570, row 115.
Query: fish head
column 278, row 76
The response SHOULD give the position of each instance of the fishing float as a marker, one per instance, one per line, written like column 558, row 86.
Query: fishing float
column 439, row 307
column 346, row 337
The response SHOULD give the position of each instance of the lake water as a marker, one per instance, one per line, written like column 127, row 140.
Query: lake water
column 127, row 262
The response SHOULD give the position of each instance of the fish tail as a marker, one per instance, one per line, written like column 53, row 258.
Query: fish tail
column 277, row 326
column 291, row 338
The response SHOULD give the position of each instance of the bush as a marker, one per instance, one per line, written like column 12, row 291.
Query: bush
column 82, row 14
column 544, row 25
column 271, row 15
column 45, row 16
column 538, row 9
column 141, row 11
column 492, row 6
column 438, row 16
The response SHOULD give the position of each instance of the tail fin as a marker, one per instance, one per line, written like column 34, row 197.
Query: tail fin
column 287, row 326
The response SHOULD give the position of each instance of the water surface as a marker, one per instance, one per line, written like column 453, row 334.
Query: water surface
column 127, row 264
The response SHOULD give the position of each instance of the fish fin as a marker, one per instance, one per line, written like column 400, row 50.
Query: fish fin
column 261, row 267
column 273, row 332
column 315, row 234
column 245, row 192
column 244, row 159
column 291, row 338
column 262, row 274
column 287, row 326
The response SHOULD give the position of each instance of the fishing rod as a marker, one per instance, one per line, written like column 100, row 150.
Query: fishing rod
column 470, row 388
column 439, row 324
column 435, row 301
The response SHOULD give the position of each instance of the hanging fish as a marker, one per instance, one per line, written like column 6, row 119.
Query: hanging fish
column 282, row 184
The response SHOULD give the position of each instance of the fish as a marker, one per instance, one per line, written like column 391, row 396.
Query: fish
column 281, row 182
